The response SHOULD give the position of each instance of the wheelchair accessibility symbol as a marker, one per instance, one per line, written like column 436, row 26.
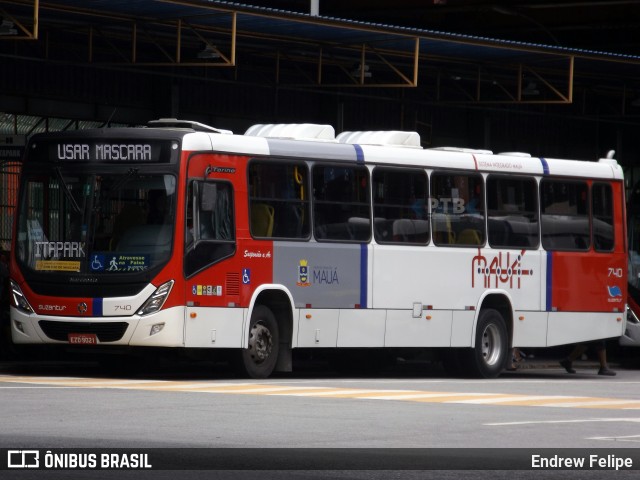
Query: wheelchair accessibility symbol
column 246, row 276
column 97, row 263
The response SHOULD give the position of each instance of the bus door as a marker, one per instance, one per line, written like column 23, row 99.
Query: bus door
column 212, row 282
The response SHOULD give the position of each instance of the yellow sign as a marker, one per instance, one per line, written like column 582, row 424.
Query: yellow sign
column 58, row 265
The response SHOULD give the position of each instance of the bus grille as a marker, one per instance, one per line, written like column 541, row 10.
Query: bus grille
column 106, row 332
column 233, row 284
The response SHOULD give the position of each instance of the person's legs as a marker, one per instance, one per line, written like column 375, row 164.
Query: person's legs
column 516, row 358
column 601, row 351
column 567, row 363
column 577, row 352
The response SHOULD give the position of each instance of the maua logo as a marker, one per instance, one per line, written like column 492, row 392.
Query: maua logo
column 303, row 274
column 326, row 276
column 319, row 275
column 615, row 294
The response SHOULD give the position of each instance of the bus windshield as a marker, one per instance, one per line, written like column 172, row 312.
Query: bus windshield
column 98, row 223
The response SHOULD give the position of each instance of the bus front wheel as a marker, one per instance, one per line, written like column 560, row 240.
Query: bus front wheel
column 259, row 359
column 489, row 357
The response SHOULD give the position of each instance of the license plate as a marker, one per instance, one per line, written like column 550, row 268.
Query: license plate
column 83, row 339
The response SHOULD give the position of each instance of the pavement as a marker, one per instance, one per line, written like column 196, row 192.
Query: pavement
column 536, row 363
column 585, row 364
column 534, row 359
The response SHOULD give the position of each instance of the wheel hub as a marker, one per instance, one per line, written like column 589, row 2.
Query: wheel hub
column 260, row 343
column 490, row 345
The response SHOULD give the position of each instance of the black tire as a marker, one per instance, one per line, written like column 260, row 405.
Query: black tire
column 491, row 353
column 259, row 359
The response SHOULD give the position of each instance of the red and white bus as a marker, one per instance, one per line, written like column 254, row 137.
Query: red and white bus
column 288, row 237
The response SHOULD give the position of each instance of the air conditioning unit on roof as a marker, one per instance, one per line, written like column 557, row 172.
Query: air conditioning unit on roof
column 516, row 154
column 296, row 131
column 463, row 150
column 395, row 138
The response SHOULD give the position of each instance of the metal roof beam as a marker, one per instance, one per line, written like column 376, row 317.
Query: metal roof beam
column 27, row 33
column 397, row 54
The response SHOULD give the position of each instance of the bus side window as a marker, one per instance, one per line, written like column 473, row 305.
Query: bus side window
column 602, row 207
column 564, row 208
column 400, row 206
column 457, row 205
column 341, row 204
column 512, row 210
column 279, row 200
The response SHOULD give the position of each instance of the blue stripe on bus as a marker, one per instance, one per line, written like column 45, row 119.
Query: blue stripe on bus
column 545, row 165
column 364, row 267
column 359, row 153
column 549, row 281
column 97, row 307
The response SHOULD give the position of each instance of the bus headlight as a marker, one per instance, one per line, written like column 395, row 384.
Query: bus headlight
column 19, row 300
column 157, row 299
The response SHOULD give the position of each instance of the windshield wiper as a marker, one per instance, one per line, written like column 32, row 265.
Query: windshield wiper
column 67, row 192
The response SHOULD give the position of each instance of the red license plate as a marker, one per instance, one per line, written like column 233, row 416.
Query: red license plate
column 83, row 338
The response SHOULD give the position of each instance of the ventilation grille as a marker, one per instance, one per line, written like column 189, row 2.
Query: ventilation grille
column 106, row 332
column 233, row 284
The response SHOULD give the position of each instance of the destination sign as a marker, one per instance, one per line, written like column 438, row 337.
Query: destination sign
column 110, row 151
column 105, row 152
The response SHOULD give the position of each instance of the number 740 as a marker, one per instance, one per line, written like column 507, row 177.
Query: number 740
column 615, row 272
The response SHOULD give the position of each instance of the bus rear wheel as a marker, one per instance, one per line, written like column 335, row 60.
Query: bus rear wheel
column 489, row 357
column 259, row 359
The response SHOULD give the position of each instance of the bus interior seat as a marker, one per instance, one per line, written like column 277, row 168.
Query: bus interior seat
column 410, row 230
column 469, row 236
column 359, row 228
column 383, row 228
column 262, row 219
column 333, row 231
column 289, row 221
column 566, row 242
column 443, row 232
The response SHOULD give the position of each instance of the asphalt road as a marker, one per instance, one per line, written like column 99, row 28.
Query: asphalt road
column 75, row 406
